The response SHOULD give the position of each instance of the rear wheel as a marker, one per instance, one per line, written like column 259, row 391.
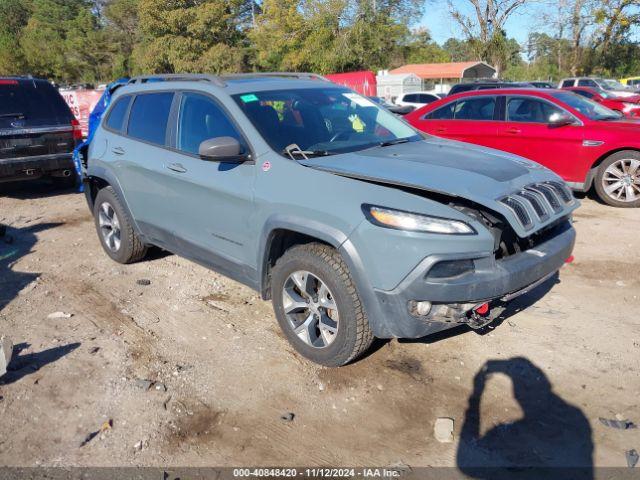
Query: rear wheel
column 617, row 180
column 318, row 307
column 115, row 229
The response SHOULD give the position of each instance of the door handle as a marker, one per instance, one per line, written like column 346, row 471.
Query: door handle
column 176, row 167
column 441, row 130
column 118, row 150
column 513, row 131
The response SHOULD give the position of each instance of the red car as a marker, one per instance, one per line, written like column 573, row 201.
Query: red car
column 583, row 141
column 628, row 106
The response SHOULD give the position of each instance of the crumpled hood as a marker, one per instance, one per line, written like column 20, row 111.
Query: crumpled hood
column 479, row 174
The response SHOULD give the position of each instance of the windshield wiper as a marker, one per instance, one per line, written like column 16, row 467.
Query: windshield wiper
column 388, row 143
column 293, row 150
column 17, row 114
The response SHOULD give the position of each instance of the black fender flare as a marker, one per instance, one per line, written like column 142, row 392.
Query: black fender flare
column 337, row 239
column 108, row 177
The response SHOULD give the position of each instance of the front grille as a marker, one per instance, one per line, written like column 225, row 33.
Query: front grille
column 519, row 209
column 540, row 199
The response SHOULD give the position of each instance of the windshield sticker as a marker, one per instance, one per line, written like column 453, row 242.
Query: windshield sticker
column 249, row 98
column 358, row 100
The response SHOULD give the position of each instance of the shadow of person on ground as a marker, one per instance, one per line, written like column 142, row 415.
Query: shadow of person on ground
column 551, row 440
column 23, row 365
column 17, row 243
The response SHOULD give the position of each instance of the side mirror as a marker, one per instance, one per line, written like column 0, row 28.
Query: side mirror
column 561, row 119
column 222, row 149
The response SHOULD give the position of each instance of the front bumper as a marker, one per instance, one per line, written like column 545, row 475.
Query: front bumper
column 33, row 167
column 452, row 298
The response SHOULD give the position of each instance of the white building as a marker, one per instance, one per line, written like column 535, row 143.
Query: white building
column 392, row 86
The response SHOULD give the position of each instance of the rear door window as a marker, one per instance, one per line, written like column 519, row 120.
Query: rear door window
column 201, row 119
column 115, row 121
column 475, row 108
column 149, row 117
column 567, row 83
column 411, row 98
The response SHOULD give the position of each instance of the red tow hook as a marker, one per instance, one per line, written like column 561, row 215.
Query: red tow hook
column 570, row 259
column 482, row 309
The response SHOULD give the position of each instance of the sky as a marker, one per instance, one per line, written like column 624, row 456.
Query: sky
column 437, row 20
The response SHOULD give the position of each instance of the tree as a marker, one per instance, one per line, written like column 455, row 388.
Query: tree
column 121, row 18
column 420, row 48
column 14, row 15
column 484, row 28
column 192, row 35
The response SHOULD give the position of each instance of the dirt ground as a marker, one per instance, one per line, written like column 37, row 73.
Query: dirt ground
column 529, row 391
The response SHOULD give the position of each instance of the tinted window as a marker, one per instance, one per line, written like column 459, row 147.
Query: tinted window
column 117, row 113
column 480, row 108
column 583, row 93
column 567, row 83
column 201, row 119
column 460, row 88
column 443, row 113
column 426, row 98
column 149, row 116
column 585, row 82
column 34, row 102
column 412, row 97
column 530, row 110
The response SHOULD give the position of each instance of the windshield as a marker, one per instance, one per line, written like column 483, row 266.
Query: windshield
column 322, row 121
column 586, row 107
column 613, row 85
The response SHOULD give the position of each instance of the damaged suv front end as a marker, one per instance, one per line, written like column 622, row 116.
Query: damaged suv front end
column 468, row 230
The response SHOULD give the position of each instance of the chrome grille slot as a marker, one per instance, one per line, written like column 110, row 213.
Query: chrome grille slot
column 519, row 209
column 549, row 193
column 562, row 191
column 536, row 201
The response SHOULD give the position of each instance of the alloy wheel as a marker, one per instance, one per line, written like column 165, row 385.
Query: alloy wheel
column 109, row 226
column 621, row 180
column 310, row 309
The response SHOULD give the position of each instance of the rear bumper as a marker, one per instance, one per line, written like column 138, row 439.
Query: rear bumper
column 33, row 167
column 452, row 298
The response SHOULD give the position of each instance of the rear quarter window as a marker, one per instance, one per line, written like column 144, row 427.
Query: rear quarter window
column 115, row 120
column 149, row 117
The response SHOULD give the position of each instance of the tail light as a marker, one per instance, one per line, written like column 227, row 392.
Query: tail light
column 77, row 130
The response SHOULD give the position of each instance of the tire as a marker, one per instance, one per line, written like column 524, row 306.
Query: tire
column 619, row 168
column 315, row 264
column 124, row 246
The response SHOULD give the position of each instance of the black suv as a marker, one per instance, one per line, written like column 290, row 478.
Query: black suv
column 487, row 85
column 38, row 132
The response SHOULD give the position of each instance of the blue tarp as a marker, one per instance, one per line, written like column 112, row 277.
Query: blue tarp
column 94, row 121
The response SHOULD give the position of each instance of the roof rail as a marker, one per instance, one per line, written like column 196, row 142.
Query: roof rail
column 220, row 80
column 178, row 77
column 299, row 75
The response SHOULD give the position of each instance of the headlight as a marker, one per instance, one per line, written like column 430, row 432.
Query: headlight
column 414, row 222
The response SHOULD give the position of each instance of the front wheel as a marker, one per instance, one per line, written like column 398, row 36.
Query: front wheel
column 317, row 305
column 617, row 180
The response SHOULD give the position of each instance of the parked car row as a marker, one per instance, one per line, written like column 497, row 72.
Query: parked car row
column 583, row 141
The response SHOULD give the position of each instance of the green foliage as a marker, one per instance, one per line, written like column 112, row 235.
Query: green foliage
column 99, row 40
